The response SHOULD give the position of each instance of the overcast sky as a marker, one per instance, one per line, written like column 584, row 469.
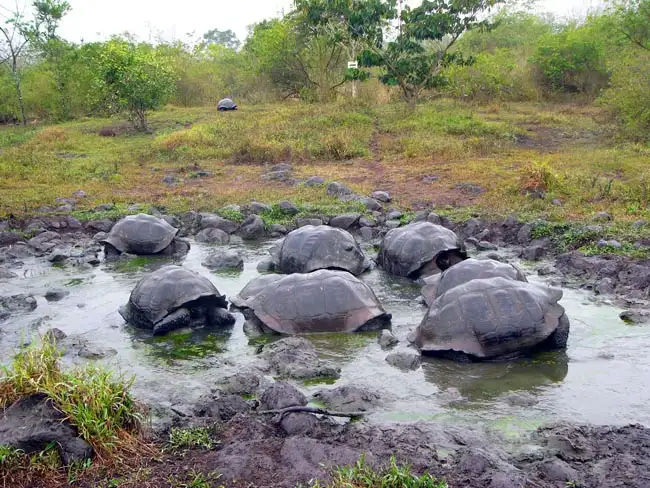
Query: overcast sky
column 93, row 20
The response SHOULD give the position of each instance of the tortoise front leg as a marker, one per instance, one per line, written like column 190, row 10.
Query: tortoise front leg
column 176, row 320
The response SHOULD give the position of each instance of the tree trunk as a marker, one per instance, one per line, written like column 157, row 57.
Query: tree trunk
column 19, row 95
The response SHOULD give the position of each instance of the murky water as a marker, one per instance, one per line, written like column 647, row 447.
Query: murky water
column 603, row 378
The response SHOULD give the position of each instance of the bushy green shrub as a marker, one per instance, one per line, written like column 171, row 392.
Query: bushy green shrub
column 571, row 61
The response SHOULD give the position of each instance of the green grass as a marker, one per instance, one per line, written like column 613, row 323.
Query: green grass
column 190, row 438
column 196, row 479
column 95, row 401
column 363, row 476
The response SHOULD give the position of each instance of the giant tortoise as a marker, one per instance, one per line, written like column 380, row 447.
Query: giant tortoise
column 320, row 301
column 173, row 297
column 143, row 235
column 226, row 104
column 420, row 249
column 253, row 287
column 465, row 271
column 493, row 318
column 310, row 248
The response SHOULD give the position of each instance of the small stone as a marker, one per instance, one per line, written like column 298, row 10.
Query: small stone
column 73, row 224
column 387, row 339
column 58, row 255
column 315, row 181
column 89, row 351
column 208, row 220
column 169, row 180
column 557, row 202
column 371, row 204
column 303, row 221
column 278, row 176
column 367, row 222
column 596, row 229
column 54, row 335
column 64, row 209
column 202, row 173
column 282, row 167
column 603, row 217
column 288, row 207
column 394, row 215
column 227, row 260
column 486, row 246
column 345, row 221
column 282, row 395
column 614, row 243
column 434, row 218
column 252, row 228
column 420, row 216
column 100, row 236
column 605, row 286
column 80, row 194
column 635, row 316
column 366, row 233
column 277, row 229
column 430, row 179
column 404, row 360
column 336, row 189
column 348, row 398
column 8, row 237
column 258, row 207
column 382, row 196
column 103, row 225
column 265, row 265
column 392, row 224
column 56, row 295
column 639, row 223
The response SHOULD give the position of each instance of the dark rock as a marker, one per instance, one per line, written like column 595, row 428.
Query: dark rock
column 169, row 180
column 59, row 255
column 472, row 227
column 32, row 423
column 434, row 218
column 605, row 286
column 602, row 217
column 212, row 235
column 345, row 221
column 524, row 236
column 100, row 236
column 222, row 408
column 266, row 265
column 56, row 295
column 281, row 175
column 366, row 233
column 282, row 395
column 207, row 221
column 64, row 209
column 371, row 204
column 172, row 220
column 348, row 399
column 295, row 357
column 392, row 224
column 387, row 339
column 103, row 225
column 336, row 189
column 555, row 470
column 224, row 260
column 288, row 207
column 303, row 221
column 366, row 222
column 639, row 223
column 536, row 250
column 44, row 242
column 556, row 202
column 242, row 383
column 394, row 215
column 73, row 224
column 54, row 335
column 104, row 207
column 252, row 228
column 635, row 316
column 17, row 304
column 258, row 208
column 66, row 201
column 8, row 237
column 469, row 188
column 382, row 196
column 79, row 194
column 420, row 216
column 315, row 181
column 486, row 246
column 404, row 360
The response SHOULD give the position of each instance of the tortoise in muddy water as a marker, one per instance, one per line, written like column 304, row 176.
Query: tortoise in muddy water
column 320, row 301
column 465, row 271
column 493, row 318
column 420, row 249
column 143, row 235
column 314, row 247
column 172, row 298
column 255, row 286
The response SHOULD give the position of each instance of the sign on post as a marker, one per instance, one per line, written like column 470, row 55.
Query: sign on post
column 353, row 65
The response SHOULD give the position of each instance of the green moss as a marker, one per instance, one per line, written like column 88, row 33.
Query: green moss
column 323, row 380
column 183, row 345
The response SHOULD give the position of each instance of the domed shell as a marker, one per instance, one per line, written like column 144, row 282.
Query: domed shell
column 321, row 301
column 141, row 234
column 491, row 318
column 160, row 293
column 310, row 248
column 226, row 104
column 465, row 271
column 253, row 287
column 406, row 250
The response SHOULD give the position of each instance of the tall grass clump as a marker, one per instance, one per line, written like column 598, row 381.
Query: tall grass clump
column 96, row 401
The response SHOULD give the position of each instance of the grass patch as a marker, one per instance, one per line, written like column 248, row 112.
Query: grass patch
column 190, row 438
column 394, row 476
column 95, row 401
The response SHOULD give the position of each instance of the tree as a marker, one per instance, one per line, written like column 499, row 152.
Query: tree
column 415, row 59
column 14, row 43
column 134, row 78
column 225, row 38
column 632, row 20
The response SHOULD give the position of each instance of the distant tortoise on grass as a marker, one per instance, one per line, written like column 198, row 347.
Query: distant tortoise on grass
column 420, row 249
column 143, row 235
column 493, row 318
column 321, row 301
column 173, row 297
column 314, row 247
column 226, row 104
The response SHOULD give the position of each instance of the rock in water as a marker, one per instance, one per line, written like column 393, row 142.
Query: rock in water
column 226, row 260
column 404, row 360
column 32, row 424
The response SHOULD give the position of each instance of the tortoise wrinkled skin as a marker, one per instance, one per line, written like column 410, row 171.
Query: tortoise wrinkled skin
column 141, row 234
column 493, row 318
column 310, row 248
column 168, row 290
column 321, row 301
column 253, row 287
column 465, row 271
column 420, row 248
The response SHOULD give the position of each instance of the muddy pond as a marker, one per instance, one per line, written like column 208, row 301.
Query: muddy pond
column 602, row 378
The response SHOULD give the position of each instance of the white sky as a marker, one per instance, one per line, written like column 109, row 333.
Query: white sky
column 93, row 20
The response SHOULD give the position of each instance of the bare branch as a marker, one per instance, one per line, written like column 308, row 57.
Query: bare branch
column 315, row 410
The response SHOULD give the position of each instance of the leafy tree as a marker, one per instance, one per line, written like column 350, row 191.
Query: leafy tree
column 225, row 38
column 134, row 78
column 415, row 59
column 632, row 20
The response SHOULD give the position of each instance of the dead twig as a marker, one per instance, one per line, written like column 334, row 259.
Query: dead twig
column 320, row 411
